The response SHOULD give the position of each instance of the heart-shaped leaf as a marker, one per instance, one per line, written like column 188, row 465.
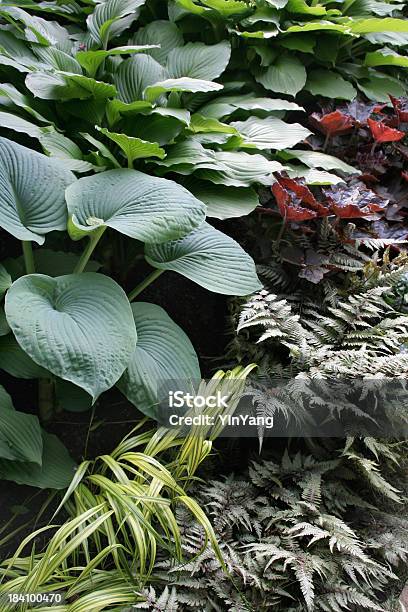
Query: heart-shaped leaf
column 135, row 74
column 107, row 20
column 91, row 60
column 20, row 437
column 79, row 327
column 134, row 148
column 287, row 75
column 163, row 353
column 138, row 205
column 270, row 133
column 165, row 34
column 209, row 258
column 32, row 199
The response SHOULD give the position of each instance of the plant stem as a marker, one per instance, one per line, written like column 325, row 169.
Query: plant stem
column 142, row 286
column 45, row 399
column 130, row 162
column 93, row 241
column 28, row 256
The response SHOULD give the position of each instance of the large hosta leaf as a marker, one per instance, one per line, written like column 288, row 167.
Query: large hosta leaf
column 287, row 75
column 163, row 33
column 315, row 159
column 5, row 280
column 56, row 471
column 109, row 18
column 330, row 84
column 163, row 353
column 91, row 60
column 32, row 187
column 138, row 205
column 225, row 202
column 79, row 327
column 210, row 258
column 135, row 74
column 386, row 57
column 20, row 437
column 226, row 105
column 67, row 86
column 182, row 84
column 199, row 61
column 16, row 362
column 270, row 133
column 5, row 400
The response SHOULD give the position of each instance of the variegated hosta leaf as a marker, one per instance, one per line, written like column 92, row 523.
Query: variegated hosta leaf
column 270, row 133
column 32, row 192
column 138, row 205
column 163, row 354
column 79, row 327
column 209, row 258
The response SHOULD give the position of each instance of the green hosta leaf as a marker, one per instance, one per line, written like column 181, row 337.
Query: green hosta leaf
column 108, row 18
column 379, row 87
column 138, row 205
column 228, row 8
column 239, row 169
column 57, row 59
column 315, row 159
column 116, row 108
column 314, row 177
column 385, row 57
column 59, row 146
column 287, row 75
column 4, row 326
column 32, row 201
column 209, row 258
column 90, row 87
column 5, row 281
column 375, row 24
column 66, row 86
column 91, row 60
column 183, row 84
column 299, row 42
column 199, row 61
column 56, row 472
column 200, row 124
column 80, row 327
column 163, row 33
column 134, row 148
column 153, row 127
column 20, row 437
column 5, row 400
column 135, row 74
column 301, row 7
column 16, row 362
column 270, row 133
column 180, row 114
column 397, row 39
column 163, row 353
column 225, row 202
column 329, row 84
column 315, row 26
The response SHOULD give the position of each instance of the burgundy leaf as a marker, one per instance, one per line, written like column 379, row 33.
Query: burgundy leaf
column 383, row 133
column 355, row 201
column 332, row 123
column 401, row 108
column 290, row 208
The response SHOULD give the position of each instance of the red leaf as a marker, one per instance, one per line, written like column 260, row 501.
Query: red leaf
column 383, row 133
column 289, row 209
column 332, row 123
column 302, row 191
column 404, row 176
column 355, row 201
column 401, row 108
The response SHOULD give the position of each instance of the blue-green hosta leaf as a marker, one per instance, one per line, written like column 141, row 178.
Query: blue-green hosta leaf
column 286, row 75
column 66, row 86
column 240, row 169
column 16, row 362
column 153, row 128
column 91, row 60
column 4, row 326
column 22, row 101
column 56, row 471
column 225, row 202
column 152, row 92
column 210, row 259
column 315, row 159
column 79, row 327
column 395, row 39
column 163, row 353
column 135, row 74
column 18, row 124
column 270, row 133
column 144, row 207
column 20, row 437
column 59, row 60
column 385, row 57
column 329, row 84
column 38, row 30
column 5, row 281
column 134, row 148
column 166, row 34
column 226, row 105
column 71, row 398
column 311, row 176
column 60, row 147
column 5, row 400
column 199, row 61
column 111, row 17
column 32, row 192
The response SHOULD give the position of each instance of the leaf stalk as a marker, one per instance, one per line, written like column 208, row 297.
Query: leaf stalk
column 142, row 286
